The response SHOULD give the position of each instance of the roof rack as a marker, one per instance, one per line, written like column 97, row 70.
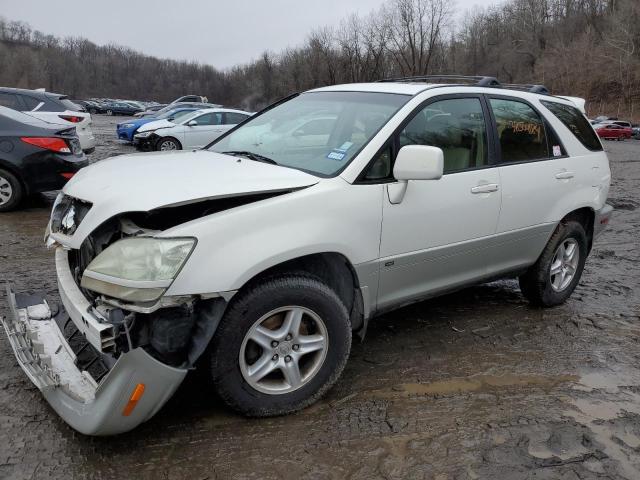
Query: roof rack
column 479, row 81
column 531, row 88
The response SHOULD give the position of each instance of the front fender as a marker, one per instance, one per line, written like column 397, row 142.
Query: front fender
column 237, row 244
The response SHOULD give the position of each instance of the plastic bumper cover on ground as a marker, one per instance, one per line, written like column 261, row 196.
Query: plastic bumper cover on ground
column 90, row 408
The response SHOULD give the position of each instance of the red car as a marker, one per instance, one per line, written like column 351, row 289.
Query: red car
column 613, row 131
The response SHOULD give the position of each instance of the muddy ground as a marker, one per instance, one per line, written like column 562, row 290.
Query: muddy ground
column 473, row 385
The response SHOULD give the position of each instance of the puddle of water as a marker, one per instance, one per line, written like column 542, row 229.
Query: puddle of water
column 599, row 414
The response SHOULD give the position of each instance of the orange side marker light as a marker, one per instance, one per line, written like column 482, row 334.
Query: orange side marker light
column 136, row 395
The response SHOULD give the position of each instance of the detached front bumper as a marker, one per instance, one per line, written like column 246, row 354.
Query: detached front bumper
column 46, row 357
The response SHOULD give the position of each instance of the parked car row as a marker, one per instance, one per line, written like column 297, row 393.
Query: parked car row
column 51, row 107
column 44, row 135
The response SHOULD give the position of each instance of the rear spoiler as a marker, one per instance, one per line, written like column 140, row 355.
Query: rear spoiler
column 577, row 101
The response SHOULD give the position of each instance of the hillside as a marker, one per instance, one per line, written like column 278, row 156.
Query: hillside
column 586, row 48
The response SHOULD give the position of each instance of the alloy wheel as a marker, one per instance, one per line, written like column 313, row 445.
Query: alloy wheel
column 6, row 192
column 564, row 264
column 168, row 145
column 283, row 350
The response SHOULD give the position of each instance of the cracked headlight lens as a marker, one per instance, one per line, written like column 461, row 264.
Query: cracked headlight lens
column 137, row 269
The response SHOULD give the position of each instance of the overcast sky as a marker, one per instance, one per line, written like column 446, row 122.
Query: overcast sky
column 218, row 32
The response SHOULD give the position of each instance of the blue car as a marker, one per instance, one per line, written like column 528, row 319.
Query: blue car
column 125, row 131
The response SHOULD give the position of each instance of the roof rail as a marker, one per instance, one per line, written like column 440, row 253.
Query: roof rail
column 531, row 88
column 479, row 81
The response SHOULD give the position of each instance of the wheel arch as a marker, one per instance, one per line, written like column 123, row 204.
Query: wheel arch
column 17, row 173
column 332, row 268
column 586, row 217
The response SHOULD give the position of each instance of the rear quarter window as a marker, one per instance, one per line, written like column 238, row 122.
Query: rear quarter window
column 575, row 121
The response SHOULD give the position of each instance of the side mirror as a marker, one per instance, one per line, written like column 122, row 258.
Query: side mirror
column 419, row 162
column 192, row 123
column 415, row 162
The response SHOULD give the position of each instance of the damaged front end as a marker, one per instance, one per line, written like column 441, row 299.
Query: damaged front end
column 118, row 349
column 121, row 343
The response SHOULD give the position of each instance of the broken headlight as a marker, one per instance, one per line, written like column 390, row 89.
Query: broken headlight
column 137, row 269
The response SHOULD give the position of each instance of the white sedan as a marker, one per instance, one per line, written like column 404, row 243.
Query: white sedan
column 192, row 131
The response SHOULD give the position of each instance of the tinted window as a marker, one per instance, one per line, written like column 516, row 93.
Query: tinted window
column 10, row 100
column 209, row 119
column 575, row 121
column 69, row 105
column 380, row 169
column 233, row 118
column 521, row 131
column 30, row 102
column 457, row 126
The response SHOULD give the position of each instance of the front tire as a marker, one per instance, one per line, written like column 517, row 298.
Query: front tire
column 280, row 346
column 168, row 144
column 552, row 279
column 11, row 191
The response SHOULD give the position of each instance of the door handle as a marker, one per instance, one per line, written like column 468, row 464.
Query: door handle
column 485, row 188
column 564, row 175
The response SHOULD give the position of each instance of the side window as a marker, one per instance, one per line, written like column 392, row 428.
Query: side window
column 520, row 130
column 10, row 100
column 575, row 121
column 232, row 118
column 457, row 126
column 380, row 169
column 209, row 119
column 30, row 102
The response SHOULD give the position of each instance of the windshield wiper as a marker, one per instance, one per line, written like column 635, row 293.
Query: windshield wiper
column 252, row 156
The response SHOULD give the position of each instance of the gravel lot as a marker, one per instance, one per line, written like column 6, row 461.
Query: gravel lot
column 474, row 385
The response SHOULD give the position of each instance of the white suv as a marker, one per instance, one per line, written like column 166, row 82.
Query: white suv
column 270, row 250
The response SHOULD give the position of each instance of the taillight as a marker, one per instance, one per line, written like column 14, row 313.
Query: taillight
column 48, row 143
column 71, row 118
column 68, row 175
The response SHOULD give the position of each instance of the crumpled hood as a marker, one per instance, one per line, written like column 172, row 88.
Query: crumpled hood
column 143, row 182
column 156, row 124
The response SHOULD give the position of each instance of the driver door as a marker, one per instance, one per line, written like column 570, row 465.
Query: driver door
column 207, row 128
column 434, row 238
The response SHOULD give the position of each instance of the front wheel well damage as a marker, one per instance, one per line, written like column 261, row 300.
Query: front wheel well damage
column 333, row 269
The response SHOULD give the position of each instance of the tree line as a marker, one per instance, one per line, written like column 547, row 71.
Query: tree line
column 584, row 48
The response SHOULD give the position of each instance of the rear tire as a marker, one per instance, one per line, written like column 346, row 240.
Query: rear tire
column 168, row 144
column 552, row 279
column 11, row 191
column 264, row 362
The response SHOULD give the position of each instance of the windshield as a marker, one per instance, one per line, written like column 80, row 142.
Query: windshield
column 318, row 132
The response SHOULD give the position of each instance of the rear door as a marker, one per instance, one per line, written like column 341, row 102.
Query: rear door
column 434, row 238
column 536, row 174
